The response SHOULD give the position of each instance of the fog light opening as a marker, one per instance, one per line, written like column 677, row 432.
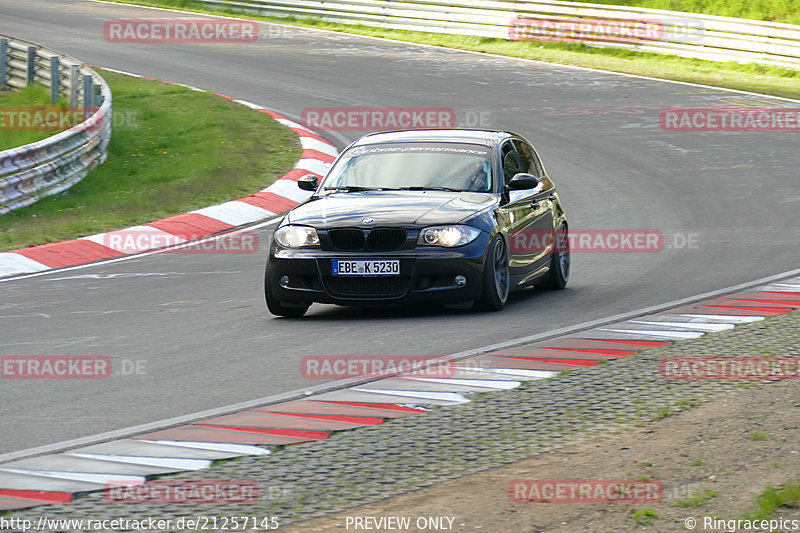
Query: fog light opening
column 461, row 280
column 284, row 281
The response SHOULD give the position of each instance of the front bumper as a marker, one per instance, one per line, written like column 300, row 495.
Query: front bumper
column 426, row 274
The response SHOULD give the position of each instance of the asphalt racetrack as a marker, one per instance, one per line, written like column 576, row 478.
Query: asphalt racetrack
column 197, row 324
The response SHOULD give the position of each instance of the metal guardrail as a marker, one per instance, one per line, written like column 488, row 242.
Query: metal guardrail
column 647, row 30
column 31, row 172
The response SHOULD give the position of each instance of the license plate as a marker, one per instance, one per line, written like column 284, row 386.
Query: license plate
column 366, row 268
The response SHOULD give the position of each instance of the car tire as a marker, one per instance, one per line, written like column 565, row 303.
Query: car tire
column 558, row 275
column 496, row 277
column 277, row 308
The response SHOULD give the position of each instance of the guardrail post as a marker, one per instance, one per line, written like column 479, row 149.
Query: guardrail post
column 74, row 86
column 55, row 79
column 31, row 70
column 63, row 159
column 88, row 95
column 3, row 64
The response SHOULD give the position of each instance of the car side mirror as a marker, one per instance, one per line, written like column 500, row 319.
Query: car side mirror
column 309, row 182
column 523, row 181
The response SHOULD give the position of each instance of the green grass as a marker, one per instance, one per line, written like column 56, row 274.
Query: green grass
column 34, row 96
column 186, row 150
column 757, row 435
column 688, row 403
column 773, row 10
column 662, row 413
column 774, row 498
column 749, row 77
column 644, row 517
column 786, row 11
column 697, row 499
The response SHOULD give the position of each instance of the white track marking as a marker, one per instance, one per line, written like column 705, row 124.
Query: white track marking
column 289, row 189
column 728, row 318
column 489, row 384
column 310, row 143
column 235, row 213
column 453, row 397
column 242, row 449
column 658, row 333
column 11, row 263
column 88, row 477
column 160, row 462
column 686, row 325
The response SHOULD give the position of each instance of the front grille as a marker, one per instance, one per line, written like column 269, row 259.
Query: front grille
column 386, row 240
column 367, row 286
column 347, row 240
column 376, row 240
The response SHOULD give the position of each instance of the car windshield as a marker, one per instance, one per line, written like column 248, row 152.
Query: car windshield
column 413, row 166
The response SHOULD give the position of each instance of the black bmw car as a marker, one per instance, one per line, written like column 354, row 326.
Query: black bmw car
column 453, row 216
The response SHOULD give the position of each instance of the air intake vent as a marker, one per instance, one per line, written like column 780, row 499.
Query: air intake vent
column 367, row 286
column 376, row 240
column 347, row 240
column 386, row 240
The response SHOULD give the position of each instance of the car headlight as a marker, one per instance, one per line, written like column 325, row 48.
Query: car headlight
column 448, row 236
column 297, row 236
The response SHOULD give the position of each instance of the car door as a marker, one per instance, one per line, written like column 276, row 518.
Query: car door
column 530, row 211
column 544, row 195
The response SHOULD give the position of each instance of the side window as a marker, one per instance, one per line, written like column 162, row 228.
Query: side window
column 528, row 159
column 510, row 163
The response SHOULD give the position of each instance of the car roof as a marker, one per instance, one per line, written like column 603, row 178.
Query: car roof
column 485, row 137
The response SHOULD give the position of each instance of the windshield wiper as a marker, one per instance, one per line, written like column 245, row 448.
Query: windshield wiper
column 423, row 188
column 353, row 188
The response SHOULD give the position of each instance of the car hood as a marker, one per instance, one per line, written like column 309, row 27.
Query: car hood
column 390, row 208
